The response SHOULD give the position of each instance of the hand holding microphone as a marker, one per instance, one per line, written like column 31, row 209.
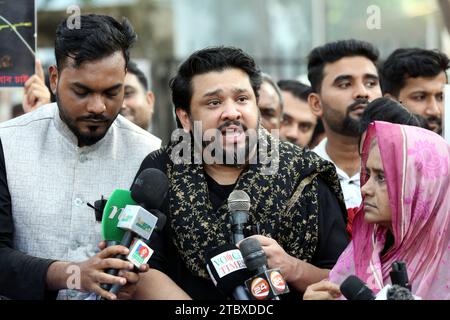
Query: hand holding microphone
column 267, row 284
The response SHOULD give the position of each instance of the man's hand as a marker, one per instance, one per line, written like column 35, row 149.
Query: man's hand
column 93, row 271
column 298, row 273
column 36, row 92
column 323, row 290
column 277, row 257
column 128, row 290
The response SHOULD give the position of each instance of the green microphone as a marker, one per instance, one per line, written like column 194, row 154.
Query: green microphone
column 118, row 200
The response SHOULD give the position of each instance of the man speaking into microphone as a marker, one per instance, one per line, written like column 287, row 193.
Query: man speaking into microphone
column 295, row 197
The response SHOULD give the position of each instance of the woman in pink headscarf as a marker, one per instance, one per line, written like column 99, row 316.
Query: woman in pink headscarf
column 405, row 215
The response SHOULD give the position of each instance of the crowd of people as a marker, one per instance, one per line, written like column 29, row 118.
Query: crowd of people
column 355, row 175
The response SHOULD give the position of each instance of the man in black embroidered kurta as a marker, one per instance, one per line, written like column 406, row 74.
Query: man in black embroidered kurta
column 299, row 204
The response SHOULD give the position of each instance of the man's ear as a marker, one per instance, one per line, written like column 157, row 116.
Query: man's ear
column 315, row 104
column 53, row 77
column 184, row 118
column 150, row 96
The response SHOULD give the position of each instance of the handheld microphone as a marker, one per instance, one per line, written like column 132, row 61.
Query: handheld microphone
column 354, row 288
column 227, row 270
column 399, row 275
column 149, row 190
column 118, row 200
column 267, row 284
column 239, row 206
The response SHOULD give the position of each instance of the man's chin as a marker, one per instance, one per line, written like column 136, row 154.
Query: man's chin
column 91, row 138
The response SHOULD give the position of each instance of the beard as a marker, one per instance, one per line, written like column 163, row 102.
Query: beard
column 84, row 139
column 435, row 124
column 346, row 125
column 231, row 154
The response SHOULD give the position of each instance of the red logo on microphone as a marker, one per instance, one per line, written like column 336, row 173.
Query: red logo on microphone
column 260, row 288
column 277, row 281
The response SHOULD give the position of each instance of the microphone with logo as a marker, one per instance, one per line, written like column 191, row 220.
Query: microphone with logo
column 225, row 265
column 134, row 222
column 266, row 284
column 227, row 270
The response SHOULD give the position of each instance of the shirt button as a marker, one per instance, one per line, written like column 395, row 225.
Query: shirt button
column 78, row 202
column 83, row 158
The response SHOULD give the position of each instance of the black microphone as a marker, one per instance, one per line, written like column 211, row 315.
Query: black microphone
column 353, row 288
column 266, row 284
column 397, row 292
column 149, row 191
column 399, row 275
column 239, row 206
column 227, row 270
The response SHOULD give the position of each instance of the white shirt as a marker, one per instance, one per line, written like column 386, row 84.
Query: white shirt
column 351, row 186
column 51, row 180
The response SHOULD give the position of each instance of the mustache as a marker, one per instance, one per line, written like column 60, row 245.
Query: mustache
column 357, row 103
column 434, row 119
column 232, row 123
column 95, row 117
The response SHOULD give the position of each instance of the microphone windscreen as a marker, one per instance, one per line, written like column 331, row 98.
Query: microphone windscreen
column 238, row 200
column 150, row 188
column 253, row 254
column 354, row 288
column 118, row 200
column 397, row 292
column 226, row 268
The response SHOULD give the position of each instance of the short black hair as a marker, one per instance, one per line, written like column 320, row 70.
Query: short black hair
column 134, row 69
column 208, row 60
column 388, row 110
column 98, row 36
column 334, row 51
column 406, row 63
column 267, row 78
column 296, row 88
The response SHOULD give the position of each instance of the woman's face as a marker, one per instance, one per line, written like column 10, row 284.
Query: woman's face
column 376, row 198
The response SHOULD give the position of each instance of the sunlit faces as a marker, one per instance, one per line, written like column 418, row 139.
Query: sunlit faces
column 89, row 97
column 374, row 191
column 298, row 121
column 424, row 96
column 137, row 103
column 225, row 104
column 349, row 84
column 269, row 107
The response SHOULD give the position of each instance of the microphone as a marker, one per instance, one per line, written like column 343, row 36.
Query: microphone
column 396, row 292
column 354, row 288
column 238, row 205
column 118, row 200
column 149, row 190
column 227, row 270
column 399, row 275
column 267, row 284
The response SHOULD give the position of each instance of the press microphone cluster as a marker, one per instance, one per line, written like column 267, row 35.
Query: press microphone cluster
column 129, row 218
column 230, row 268
column 225, row 264
column 266, row 284
column 354, row 288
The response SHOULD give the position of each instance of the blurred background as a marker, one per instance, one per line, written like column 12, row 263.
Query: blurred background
column 278, row 33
